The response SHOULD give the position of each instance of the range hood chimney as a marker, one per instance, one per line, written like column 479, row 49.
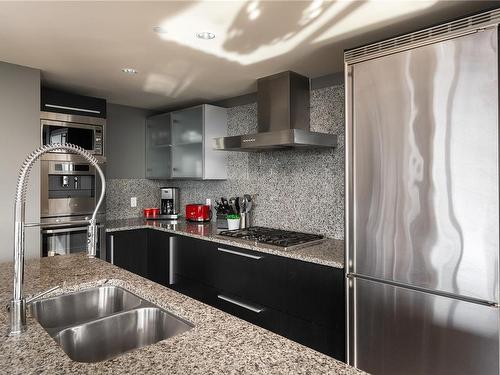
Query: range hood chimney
column 283, row 118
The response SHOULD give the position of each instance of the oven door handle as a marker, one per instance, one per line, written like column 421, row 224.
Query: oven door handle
column 65, row 230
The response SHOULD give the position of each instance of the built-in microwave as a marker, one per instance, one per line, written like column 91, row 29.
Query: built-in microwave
column 83, row 131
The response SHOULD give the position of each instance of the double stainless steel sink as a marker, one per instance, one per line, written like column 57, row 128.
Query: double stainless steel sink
column 100, row 323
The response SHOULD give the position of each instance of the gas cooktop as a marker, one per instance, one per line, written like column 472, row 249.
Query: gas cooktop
column 277, row 237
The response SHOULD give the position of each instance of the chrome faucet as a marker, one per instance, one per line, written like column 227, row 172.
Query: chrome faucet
column 18, row 302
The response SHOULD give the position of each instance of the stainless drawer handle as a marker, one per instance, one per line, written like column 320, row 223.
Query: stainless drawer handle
column 112, row 248
column 240, row 254
column 255, row 309
column 64, row 230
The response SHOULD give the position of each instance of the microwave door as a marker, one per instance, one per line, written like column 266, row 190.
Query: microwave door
column 81, row 137
column 58, row 136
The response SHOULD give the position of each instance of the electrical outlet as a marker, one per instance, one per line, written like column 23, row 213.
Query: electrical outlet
column 133, row 202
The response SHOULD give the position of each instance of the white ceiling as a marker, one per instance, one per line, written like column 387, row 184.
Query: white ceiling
column 82, row 46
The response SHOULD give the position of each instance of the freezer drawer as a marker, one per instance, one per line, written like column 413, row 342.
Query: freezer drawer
column 394, row 330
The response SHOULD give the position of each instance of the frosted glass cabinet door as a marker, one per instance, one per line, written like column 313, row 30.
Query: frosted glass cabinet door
column 187, row 143
column 187, row 161
column 187, row 126
column 158, row 147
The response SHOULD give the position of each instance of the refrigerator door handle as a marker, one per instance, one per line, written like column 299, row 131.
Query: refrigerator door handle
column 496, row 304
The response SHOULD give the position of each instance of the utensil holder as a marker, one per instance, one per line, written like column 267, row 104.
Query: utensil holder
column 233, row 224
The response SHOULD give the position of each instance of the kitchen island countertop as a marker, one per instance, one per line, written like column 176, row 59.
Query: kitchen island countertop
column 329, row 252
column 218, row 344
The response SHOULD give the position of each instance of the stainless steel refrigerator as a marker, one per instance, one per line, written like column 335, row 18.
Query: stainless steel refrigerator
column 422, row 201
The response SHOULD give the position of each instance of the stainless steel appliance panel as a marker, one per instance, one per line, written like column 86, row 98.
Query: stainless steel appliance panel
column 84, row 131
column 68, row 187
column 415, row 333
column 69, row 239
column 425, row 199
column 169, row 202
column 63, row 241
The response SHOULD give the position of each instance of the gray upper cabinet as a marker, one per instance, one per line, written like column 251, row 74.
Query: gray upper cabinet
column 179, row 144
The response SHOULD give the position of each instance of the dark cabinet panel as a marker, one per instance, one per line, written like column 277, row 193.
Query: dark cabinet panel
column 193, row 259
column 302, row 301
column 158, row 256
column 251, row 275
column 128, row 250
column 142, row 251
column 324, row 339
column 260, row 315
column 64, row 102
column 316, row 293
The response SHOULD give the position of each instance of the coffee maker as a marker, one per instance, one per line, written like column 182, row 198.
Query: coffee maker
column 169, row 207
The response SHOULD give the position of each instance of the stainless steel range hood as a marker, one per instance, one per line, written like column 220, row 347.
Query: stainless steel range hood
column 283, row 118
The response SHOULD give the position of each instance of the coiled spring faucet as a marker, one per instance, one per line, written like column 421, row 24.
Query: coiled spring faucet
column 18, row 302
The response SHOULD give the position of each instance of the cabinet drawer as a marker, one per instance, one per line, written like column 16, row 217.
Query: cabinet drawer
column 265, row 317
column 194, row 289
column 251, row 275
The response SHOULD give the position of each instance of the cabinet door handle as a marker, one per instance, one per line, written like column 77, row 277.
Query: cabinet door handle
column 72, row 108
column 255, row 309
column 257, row 257
column 112, row 248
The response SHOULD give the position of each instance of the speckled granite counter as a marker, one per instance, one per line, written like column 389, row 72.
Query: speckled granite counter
column 329, row 252
column 218, row 344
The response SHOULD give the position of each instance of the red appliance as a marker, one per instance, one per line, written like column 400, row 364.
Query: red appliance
column 198, row 212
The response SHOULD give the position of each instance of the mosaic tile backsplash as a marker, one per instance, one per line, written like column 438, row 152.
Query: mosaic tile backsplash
column 300, row 190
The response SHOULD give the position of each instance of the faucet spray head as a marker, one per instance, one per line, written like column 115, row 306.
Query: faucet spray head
column 92, row 239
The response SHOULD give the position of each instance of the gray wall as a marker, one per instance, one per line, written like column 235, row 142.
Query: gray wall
column 20, row 122
column 296, row 190
column 125, row 139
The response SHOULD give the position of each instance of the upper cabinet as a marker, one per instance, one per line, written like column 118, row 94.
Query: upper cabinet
column 179, row 144
column 71, row 104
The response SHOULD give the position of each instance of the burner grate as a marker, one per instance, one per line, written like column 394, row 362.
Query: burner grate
column 277, row 237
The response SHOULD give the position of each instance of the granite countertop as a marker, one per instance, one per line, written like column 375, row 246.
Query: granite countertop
column 329, row 252
column 219, row 343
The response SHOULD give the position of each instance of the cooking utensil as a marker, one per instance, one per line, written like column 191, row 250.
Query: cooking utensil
column 248, row 202
column 232, row 203
column 237, row 202
column 243, row 205
column 224, row 201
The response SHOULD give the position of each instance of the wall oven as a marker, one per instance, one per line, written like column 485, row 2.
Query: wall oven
column 69, row 238
column 70, row 190
column 84, row 131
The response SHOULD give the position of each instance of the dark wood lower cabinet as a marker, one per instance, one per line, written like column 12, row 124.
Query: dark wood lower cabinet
column 128, row 250
column 302, row 301
column 299, row 300
column 144, row 252
column 158, row 251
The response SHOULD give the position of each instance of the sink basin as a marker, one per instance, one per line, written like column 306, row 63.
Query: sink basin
column 109, row 337
column 96, row 324
column 70, row 309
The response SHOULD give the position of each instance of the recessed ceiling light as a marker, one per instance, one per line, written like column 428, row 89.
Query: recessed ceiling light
column 160, row 30
column 205, row 35
column 129, row 70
